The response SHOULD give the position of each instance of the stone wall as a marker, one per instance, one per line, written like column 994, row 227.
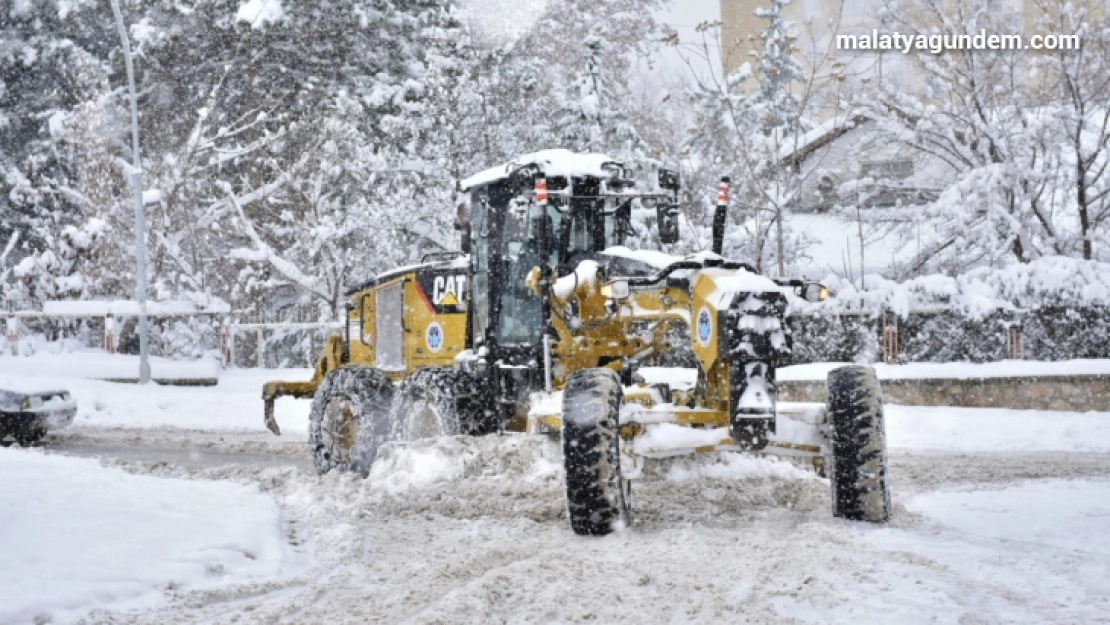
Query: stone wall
column 1064, row 392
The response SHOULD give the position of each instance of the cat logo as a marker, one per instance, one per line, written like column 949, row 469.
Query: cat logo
column 448, row 290
column 443, row 291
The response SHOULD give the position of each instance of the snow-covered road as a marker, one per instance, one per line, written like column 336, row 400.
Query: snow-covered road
column 1000, row 517
column 473, row 531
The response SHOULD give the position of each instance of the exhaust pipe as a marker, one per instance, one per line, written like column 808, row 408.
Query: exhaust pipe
column 719, row 216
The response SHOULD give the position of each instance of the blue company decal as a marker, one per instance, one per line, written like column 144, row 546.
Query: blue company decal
column 434, row 336
column 705, row 326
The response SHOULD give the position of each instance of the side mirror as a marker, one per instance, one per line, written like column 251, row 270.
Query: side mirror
column 814, row 292
column 668, row 180
column 616, row 289
column 666, row 215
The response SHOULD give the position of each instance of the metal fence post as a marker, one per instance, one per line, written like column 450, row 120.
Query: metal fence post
column 227, row 343
column 13, row 334
column 1017, row 343
column 259, row 351
column 890, row 340
column 110, row 332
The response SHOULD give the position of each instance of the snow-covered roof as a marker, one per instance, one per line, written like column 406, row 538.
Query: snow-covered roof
column 98, row 308
column 655, row 258
column 819, row 136
column 557, row 162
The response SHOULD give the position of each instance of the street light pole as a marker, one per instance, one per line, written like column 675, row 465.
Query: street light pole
column 140, row 217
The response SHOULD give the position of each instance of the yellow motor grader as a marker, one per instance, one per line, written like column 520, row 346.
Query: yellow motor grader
column 549, row 324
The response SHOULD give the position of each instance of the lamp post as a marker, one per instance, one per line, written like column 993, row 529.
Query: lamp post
column 140, row 217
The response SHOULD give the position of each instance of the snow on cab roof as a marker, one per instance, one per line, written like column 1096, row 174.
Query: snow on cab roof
column 557, row 162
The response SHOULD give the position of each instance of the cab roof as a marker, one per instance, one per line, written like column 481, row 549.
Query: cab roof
column 553, row 163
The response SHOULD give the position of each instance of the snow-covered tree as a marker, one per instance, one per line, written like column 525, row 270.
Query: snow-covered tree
column 1078, row 82
column 288, row 147
column 750, row 123
column 50, row 66
column 988, row 116
column 592, row 118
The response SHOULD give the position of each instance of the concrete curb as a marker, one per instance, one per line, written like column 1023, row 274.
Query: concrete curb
column 1049, row 392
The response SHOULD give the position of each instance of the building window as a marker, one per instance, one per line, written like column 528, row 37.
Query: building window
column 893, row 170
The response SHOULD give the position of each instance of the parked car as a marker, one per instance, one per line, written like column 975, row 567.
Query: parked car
column 26, row 417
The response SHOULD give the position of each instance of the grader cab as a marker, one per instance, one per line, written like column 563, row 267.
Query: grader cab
column 550, row 324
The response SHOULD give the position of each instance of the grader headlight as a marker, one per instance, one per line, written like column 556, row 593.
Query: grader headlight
column 815, row 292
column 616, row 290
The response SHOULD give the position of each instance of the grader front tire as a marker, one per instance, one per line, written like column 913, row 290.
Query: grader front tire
column 858, row 471
column 591, row 452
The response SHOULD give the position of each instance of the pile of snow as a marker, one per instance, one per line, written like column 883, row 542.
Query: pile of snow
column 234, row 404
column 100, row 365
column 1049, row 281
column 654, row 258
column 996, row 429
column 78, row 536
column 732, row 466
column 401, row 468
column 667, row 436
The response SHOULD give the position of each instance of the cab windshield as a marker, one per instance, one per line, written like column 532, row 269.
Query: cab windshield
column 520, row 314
column 588, row 227
column 508, row 243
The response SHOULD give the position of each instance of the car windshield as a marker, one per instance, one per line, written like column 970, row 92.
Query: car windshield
column 10, row 400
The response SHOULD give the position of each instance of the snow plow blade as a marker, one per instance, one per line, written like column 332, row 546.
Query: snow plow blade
column 332, row 356
column 273, row 390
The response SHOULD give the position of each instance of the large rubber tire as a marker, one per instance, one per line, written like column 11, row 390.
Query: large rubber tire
column 857, row 432
column 596, row 499
column 349, row 418
column 426, row 407
column 28, row 435
column 22, row 434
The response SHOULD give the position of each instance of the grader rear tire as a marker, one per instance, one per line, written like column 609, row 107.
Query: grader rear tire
column 858, row 467
column 426, row 406
column 591, row 452
column 349, row 413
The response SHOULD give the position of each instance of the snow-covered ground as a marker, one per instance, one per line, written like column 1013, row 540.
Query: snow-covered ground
column 996, row 429
column 99, row 365
column 949, row 370
column 78, row 536
column 1000, row 517
column 235, row 404
column 467, row 530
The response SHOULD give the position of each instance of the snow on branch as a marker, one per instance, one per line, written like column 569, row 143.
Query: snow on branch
column 262, row 252
column 9, row 247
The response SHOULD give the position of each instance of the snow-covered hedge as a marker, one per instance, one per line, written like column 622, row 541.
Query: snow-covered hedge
column 1051, row 281
column 188, row 338
column 1061, row 305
